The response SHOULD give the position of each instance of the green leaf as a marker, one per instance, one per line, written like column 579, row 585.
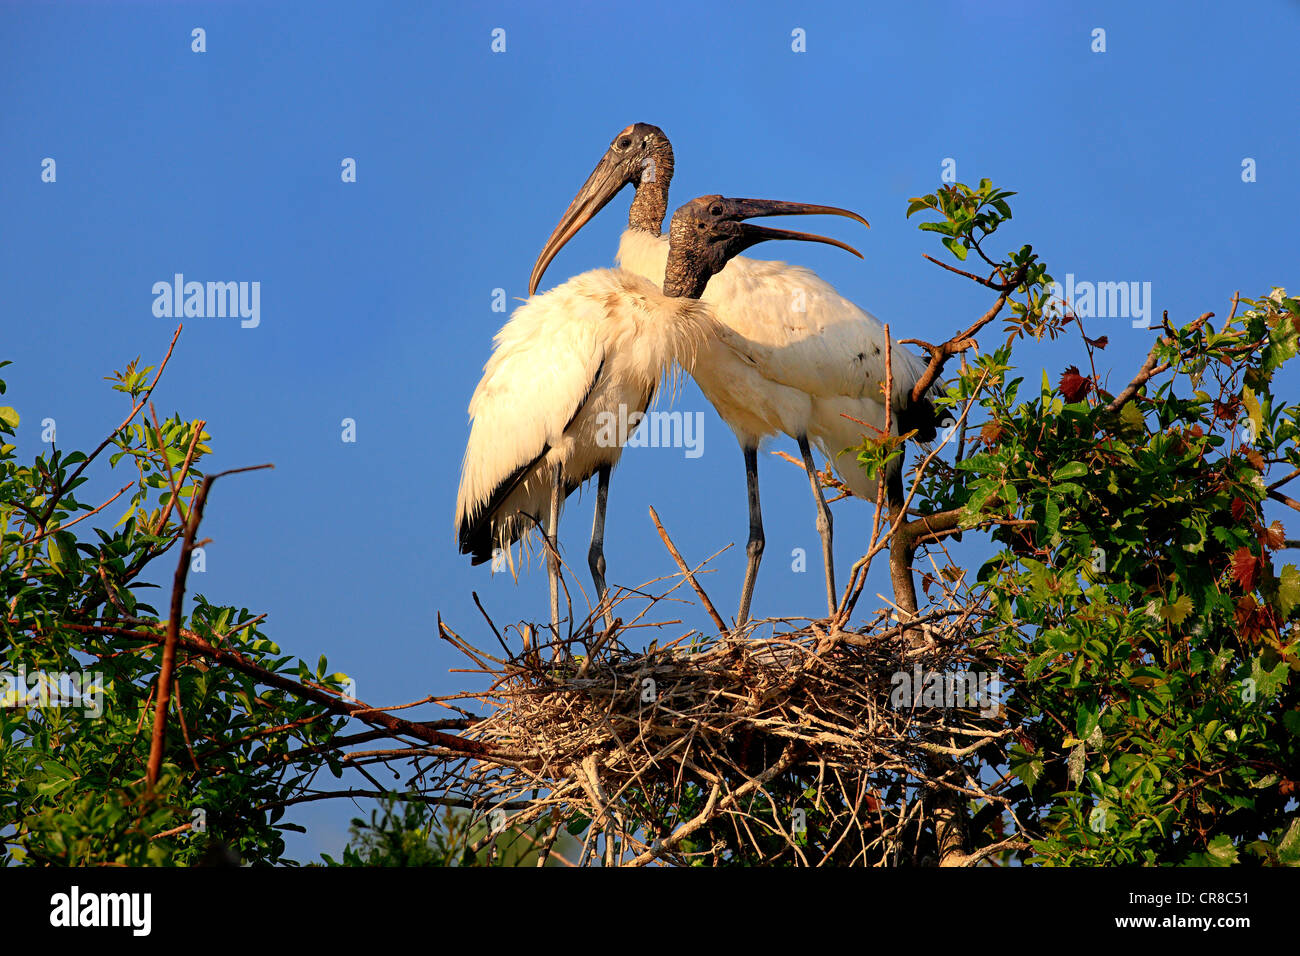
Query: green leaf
column 1086, row 720
column 1288, row 589
column 1052, row 516
column 1177, row 612
column 1253, row 410
column 946, row 228
column 1075, row 469
column 1288, row 848
column 9, row 416
column 1220, row 851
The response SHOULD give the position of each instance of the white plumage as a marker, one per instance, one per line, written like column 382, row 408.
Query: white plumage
column 773, row 369
column 603, row 339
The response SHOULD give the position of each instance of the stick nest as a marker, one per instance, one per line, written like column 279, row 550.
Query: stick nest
column 713, row 747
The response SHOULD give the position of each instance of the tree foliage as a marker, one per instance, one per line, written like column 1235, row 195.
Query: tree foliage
column 80, row 648
column 1144, row 618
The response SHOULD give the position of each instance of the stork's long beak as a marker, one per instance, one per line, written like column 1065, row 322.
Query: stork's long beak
column 753, row 208
column 756, row 234
column 601, row 186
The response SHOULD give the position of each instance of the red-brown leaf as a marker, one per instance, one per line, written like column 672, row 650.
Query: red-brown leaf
column 1254, row 619
column 990, row 433
column 1245, row 568
column 1274, row 536
column 1227, row 411
column 1073, row 386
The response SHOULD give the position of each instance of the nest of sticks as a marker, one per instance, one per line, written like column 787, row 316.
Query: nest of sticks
column 781, row 743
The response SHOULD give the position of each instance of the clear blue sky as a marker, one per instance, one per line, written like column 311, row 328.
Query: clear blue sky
column 376, row 296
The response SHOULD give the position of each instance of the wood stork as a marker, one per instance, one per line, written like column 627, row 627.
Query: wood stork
column 792, row 356
column 568, row 359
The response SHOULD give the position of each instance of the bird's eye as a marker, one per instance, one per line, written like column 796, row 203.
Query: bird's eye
column 624, row 143
column 715, row 210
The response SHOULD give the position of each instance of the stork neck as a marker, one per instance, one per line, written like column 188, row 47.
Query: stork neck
column 650, row 205
column 684, row 280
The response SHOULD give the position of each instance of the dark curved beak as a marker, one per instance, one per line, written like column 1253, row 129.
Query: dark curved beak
column 755, row 234
column 601, row 186
column 752, row 208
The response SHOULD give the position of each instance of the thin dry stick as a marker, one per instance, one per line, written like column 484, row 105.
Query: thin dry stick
column 135, row 409
column 174, row 500
column 858, row 573
column 708, row 605
column 713, row 806
column 64, row 527
column 174, row 626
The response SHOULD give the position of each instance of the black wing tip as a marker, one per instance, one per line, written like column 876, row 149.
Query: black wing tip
column 476, row 541
column 923, row 417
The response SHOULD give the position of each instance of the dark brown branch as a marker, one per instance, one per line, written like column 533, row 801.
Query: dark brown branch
column 900, row 574
column 193, row 643
column 1285, row 499
column 174, row 623
column 1149, row 368
column 1007, row 286
column 928, row 528
column 1282, row 481
column 939, row 354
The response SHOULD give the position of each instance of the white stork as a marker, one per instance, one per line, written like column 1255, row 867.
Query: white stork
column 792, row 356
column 568, row 359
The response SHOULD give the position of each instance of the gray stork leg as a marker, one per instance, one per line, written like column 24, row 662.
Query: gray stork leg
column 823, row 523
column 754, row 550
column 553, row 548
column 596, row 554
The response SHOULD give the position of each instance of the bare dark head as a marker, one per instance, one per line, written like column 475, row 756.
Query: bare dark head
column 639, row 149
column 710, row 231
column 639, row 155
